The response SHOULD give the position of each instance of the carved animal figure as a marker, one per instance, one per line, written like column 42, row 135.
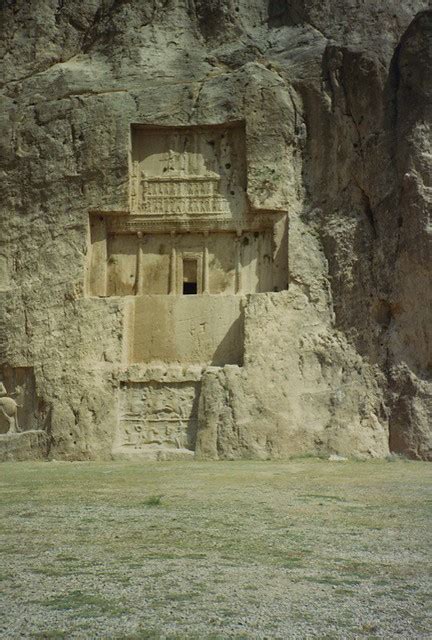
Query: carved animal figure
column 9, row 408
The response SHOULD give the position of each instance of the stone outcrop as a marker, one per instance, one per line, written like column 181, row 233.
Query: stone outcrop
column 270, row 158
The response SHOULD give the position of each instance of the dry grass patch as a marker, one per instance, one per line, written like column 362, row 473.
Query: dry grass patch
column 298, row 549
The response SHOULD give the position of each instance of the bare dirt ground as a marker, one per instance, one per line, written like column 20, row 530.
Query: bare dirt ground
column 298, row 549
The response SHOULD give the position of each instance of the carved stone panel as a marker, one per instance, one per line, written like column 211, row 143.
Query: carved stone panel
column 188, row 172
column 155, row 415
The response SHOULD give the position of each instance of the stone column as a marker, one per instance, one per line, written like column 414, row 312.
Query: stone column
column 238, row 265
column 173, row 266
column 135, row 186
column 205, row 283
column 260, row 262
column 139, row 264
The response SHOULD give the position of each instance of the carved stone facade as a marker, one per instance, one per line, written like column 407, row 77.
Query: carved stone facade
column 151, row 156
column 185, row 255
column 188, row 211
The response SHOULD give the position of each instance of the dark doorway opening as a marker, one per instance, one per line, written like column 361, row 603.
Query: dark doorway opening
column 190, row 277
column 189, row 288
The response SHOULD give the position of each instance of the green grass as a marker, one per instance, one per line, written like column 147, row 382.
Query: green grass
column 216, row 550
column 54, row 634
column 87, row 604
column 153, row 501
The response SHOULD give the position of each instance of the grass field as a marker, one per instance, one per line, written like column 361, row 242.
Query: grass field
column 299, row 549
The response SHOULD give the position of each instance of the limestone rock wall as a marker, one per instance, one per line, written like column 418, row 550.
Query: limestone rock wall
column 336, row 101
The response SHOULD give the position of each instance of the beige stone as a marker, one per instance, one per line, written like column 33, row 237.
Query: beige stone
column 215, row 229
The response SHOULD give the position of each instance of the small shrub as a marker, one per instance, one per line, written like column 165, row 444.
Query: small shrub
column 153, row 501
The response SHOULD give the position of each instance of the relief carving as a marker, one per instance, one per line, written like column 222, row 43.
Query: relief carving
column 21, row 410
column 9, row 410
column 189, row 231
column 190, row 172
column 196, row 195
column 153, row 414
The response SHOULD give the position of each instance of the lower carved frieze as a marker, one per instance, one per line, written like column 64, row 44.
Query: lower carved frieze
column 156, row 417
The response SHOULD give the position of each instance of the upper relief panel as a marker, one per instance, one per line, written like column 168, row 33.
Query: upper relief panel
column 192, row 175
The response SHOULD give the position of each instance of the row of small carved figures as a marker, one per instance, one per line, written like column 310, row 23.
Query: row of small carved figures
column 9, row 409
column 184, row 203
column 185, row 208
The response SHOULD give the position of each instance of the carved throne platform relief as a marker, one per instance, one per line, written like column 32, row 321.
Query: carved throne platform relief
column 196, row 176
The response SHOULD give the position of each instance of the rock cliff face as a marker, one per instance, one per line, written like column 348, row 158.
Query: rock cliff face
column 334, row 103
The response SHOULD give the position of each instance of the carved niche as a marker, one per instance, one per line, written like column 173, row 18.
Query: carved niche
column 187, row 198
column 20, row 408
column 188, row 247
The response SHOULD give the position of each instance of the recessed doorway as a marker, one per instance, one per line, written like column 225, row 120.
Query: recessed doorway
column 190, row 277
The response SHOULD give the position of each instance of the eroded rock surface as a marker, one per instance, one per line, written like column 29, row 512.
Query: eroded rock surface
column 271, row 158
